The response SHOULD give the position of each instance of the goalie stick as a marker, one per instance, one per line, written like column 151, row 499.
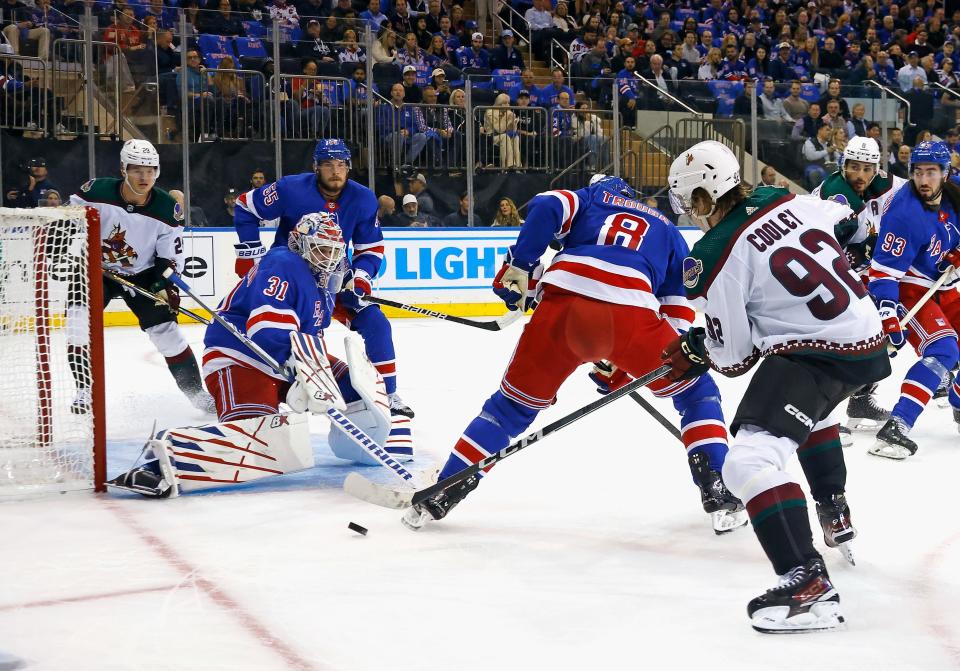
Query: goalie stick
column 495, row 325
column 351, row 430
column 124, row 282
column 360, row 487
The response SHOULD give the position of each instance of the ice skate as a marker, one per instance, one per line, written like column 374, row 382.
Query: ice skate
column 846, row 436
column 956, row 418
column 726, row 510
column 838, row 530
column 892, row 441
column 804, row 601
column 942, row 395
column 863, row 411
column 142, row 480
column 204, row 402
column 398, row 407
column 437, row 506
column 81, row 402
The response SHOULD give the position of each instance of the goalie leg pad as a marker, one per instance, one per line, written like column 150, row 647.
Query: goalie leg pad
column 215, row 455
column 371, row 413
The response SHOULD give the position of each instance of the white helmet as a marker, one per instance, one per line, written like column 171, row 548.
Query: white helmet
column 863, row 149
column 708, row 165
column 139, row 152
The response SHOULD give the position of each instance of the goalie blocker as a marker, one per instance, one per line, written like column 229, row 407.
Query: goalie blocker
column 241, row 450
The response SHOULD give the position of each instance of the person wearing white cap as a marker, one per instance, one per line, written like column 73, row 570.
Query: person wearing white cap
column 412, row 91
column 474, row 56
column 411, row 215
column 506, row 56
column 418, row 187
column 781, row 68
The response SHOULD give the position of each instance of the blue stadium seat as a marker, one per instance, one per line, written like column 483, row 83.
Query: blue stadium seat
column 810, row 92
column 255, row 29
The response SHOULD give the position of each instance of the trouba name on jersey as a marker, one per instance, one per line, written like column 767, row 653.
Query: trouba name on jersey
column 764, row 235
column 620, row 201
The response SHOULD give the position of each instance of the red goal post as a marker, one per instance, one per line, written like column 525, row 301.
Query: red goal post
column 51, row 334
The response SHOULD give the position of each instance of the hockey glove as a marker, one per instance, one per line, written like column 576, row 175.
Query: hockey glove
column 168, row 295
column 516, row 283
column 608, row 377
column 951, row 260
column 687, row 355
column 891, row 324
column 248, row 253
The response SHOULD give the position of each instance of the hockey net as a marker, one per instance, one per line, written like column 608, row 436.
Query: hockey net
column 49, row 268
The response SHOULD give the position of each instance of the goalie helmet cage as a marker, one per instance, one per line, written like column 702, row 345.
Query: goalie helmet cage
column 51, row 296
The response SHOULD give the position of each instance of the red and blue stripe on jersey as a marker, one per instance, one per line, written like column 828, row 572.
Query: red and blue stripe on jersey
column 615, row 249
column 277, row 296
column 291, row 197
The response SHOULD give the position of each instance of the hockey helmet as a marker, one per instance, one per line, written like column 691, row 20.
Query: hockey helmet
column 931, row 152
column 708, row 165
column 318, row 239
column 333, row 149
column 863, row 149
column 613, row 184
column 139, row 152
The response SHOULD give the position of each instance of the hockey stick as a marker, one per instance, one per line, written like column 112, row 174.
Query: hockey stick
column 927, row 296
column 124, row 282
column 362, row 488
column 495, row 325
column 664, row 422
column 351, row 430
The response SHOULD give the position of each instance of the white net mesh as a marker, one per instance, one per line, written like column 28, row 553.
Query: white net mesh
column 44, row 444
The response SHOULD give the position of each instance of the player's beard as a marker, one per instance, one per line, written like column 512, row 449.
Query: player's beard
column 931, row 201
column 330, row 191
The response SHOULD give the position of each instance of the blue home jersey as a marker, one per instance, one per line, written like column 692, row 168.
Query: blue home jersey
column 277, row 296
column 911, row 242
column 615, row 249
column 293, row 196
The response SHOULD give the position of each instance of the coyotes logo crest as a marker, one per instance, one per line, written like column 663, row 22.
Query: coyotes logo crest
column 115, row 248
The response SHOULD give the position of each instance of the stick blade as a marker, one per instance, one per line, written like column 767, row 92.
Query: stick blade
column 379, row 495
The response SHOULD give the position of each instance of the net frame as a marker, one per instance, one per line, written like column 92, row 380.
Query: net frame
column 46, row 321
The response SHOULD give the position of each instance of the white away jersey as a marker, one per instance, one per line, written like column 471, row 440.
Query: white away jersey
column 771, row 279
column 134, row 237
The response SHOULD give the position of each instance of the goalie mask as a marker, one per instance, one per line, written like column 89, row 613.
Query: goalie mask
column 318, row 239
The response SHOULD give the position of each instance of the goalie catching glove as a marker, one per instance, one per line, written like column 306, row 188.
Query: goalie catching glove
column 517, row 283
column 687, row 355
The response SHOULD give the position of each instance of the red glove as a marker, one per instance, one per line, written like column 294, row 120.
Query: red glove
column 358, row 283
column 950, row 258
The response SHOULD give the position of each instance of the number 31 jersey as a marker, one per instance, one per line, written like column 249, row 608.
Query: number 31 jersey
column 615, row 250
column 772, row 279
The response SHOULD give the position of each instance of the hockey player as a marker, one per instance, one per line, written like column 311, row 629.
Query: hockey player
column 328, row 189
column 918, row 238
column 286, row 293
column 615, row 293
column 861, row 184
column 141, row 227
column 774, row 284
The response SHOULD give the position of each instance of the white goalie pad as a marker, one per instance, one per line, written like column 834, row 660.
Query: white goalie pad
column 215, row 455
column 371, row 413
column 315, row 387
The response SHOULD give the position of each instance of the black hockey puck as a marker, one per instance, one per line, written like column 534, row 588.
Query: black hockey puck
column 353, row 526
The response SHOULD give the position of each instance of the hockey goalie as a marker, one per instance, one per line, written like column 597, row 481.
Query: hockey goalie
column 282, row 305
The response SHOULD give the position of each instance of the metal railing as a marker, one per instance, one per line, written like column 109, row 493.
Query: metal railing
column 107, row 68
column 890, row 92
column 512, row 137
column 27, row 102
column 313, row 107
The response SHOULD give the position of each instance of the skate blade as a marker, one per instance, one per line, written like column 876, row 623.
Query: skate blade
column 943, row 402
column 846, row 439
column 864, row 424
column 846, row 549
column 888, row 451
column 725, row 521
column 414, row 519
column 821, row 617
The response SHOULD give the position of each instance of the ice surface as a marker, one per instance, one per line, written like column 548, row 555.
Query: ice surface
column 587, row 551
